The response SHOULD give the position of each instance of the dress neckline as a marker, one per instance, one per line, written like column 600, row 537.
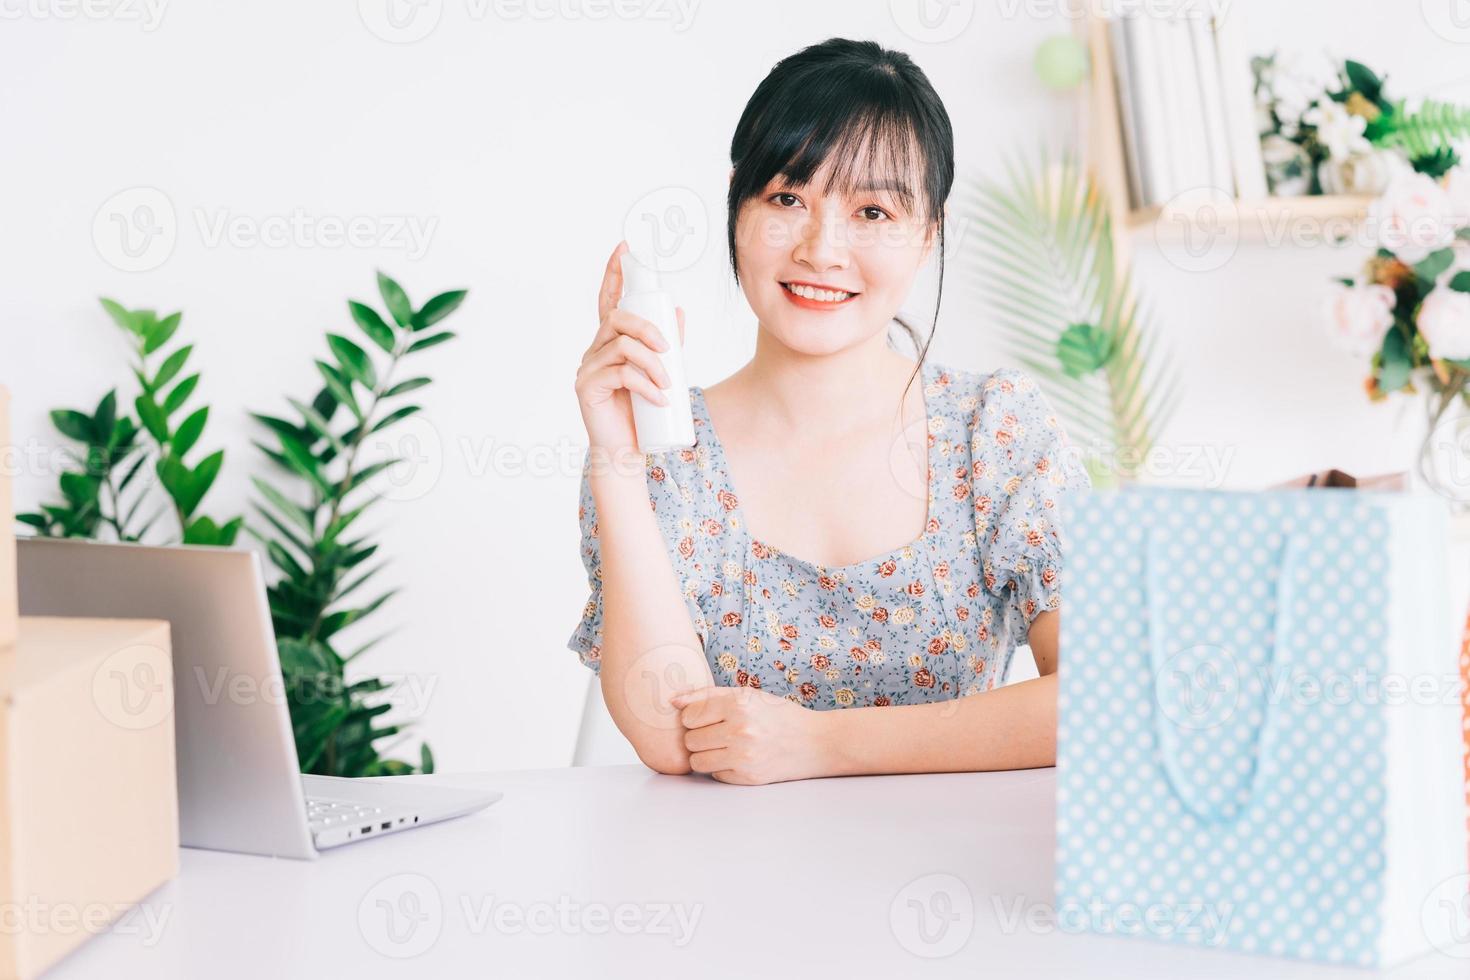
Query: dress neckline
column 927, row 375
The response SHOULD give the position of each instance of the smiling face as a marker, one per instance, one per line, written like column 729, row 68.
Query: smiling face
column 826, row 268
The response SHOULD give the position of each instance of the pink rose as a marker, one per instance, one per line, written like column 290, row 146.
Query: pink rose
column 1444, row 320
column 1359, row 316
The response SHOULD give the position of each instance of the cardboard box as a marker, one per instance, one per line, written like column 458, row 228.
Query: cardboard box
column 88, row 802
column 8, row 608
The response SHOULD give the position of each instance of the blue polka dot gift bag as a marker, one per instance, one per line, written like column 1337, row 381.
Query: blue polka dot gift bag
column 1259, row 724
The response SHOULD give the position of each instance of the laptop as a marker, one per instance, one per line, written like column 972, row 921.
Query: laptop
column 240, row 787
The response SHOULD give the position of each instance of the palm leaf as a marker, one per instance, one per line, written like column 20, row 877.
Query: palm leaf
column 1040, row 253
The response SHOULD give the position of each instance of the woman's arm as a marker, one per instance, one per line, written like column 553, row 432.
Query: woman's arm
column 743, row 736
column 650, row 648
column 1011, row 727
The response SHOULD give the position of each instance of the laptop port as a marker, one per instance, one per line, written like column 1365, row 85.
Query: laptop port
column 386, row 824
column 367, row 830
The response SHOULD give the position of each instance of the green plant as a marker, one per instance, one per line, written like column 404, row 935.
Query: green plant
column 1044, row 260
column 93, row 495
column 321, row 566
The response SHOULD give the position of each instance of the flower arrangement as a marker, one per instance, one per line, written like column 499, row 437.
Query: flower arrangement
column 1340, row 133
column 1409, row 307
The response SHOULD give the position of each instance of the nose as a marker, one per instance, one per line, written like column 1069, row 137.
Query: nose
column 822, row 244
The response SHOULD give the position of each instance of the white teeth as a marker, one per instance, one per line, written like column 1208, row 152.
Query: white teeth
column 824, row 295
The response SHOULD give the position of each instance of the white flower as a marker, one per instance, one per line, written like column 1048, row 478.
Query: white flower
column 1457, row 190
column 1337, row 129
column 1444, row 320
column 1414, row 217
column 1361, row 173
column 1359, row 316
column 1281, row 156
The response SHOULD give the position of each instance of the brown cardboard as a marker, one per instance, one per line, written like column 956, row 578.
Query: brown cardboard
column 88, row 802
column 8, row 606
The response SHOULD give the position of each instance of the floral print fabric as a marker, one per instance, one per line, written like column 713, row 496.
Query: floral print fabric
column 938, row 618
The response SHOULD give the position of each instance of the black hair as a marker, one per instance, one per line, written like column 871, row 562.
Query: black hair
column 834, row 100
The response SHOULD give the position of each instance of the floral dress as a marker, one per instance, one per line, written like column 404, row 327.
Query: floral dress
column 935, row 619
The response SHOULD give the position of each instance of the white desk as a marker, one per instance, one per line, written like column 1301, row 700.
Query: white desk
column 785, row 880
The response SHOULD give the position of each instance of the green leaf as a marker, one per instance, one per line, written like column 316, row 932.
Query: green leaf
column 339, row 387
column 189, row 432
column 119, row 315
column 394, row 416
column 161, row 332
column 152, row 417
column 317, row 424
column 426, row 759
column 430, row 341
column 396, row 300
column 1396, row 365
column 171, row 366
column 229, row 531
column 1461, row 282
column 372, row 324
column 438, row 308
column 304, row 463
column 79, row 488
column 201, row 478
column 175, row 399
column 73, row 424
column 1362, row 78
column 298, row 514
column 1082, row 349
column 354, row 360
column 403, row 387
column 104, row 417
column 201, row 530
column 1434, row 263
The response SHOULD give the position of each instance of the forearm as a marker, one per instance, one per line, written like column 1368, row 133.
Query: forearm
column 650, row 648
column 1011, row 727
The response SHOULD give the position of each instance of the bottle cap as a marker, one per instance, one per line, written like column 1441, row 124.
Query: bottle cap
column 637, row 277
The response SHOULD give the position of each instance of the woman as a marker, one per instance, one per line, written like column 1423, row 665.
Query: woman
column 839, row 537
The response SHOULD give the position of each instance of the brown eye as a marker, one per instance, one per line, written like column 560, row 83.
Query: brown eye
column 780, row 198
column 874, row 213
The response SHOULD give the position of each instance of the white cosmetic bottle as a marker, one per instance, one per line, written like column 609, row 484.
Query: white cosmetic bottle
column 659, row 427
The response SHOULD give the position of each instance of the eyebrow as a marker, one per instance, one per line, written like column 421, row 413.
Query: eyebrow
column 897, row 186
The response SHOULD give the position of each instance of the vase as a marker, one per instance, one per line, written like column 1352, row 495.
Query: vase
column 1443, row 461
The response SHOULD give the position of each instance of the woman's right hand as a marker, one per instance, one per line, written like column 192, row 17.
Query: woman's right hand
column 622, row 358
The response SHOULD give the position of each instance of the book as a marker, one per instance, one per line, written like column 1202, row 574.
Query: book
column 1238, row 98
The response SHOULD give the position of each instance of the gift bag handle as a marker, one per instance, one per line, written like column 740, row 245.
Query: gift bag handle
column 1291, row 549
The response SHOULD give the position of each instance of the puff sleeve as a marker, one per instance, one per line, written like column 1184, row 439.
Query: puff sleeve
column 1029, row 470
column 673, row 481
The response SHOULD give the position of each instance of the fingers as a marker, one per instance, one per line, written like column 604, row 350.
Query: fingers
column 596, row 384
column 706, row 706
column 622, row 323
column 715, row 760
column 707, row 738
column 612, row 282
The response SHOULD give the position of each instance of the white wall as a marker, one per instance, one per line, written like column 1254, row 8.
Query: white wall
column 523, row 143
